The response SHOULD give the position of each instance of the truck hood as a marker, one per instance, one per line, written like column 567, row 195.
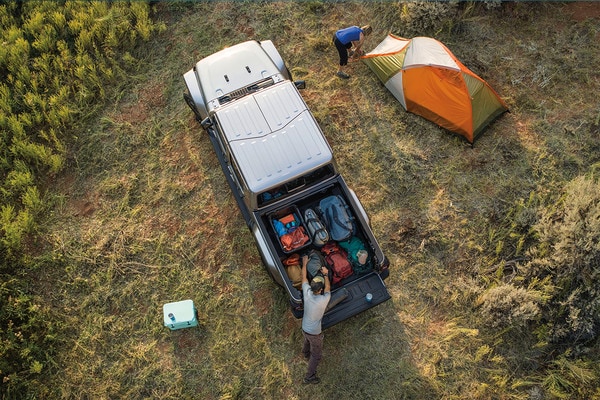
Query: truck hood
column 234, row 68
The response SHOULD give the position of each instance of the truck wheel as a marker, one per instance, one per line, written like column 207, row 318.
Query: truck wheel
column 190, row 102
column 297, row 309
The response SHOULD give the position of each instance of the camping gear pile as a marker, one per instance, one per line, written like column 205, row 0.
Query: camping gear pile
column 291, row 232
column 332, row 231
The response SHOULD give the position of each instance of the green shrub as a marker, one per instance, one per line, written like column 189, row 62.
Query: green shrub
column 557, row 281
column 27, row 338
column 56, row 63
column 551, row 290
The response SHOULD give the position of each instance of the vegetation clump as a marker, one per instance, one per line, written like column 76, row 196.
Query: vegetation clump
column 566, row 263
column 507, row 306
column 423, row 18
column 56, row 62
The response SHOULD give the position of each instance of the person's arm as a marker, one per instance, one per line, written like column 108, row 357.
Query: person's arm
column 358, row 43
column 325, row 272
column 304, row 263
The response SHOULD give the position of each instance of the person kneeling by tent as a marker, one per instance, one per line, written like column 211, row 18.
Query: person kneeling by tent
column 344, row 40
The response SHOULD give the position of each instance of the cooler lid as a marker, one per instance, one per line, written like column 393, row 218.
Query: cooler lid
column 183, row 311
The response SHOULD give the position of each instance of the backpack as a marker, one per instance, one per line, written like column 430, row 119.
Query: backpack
column 358, row 255
column 337, row 260
column 294, row 270
column 316, row 229
column 337, row 217
column 314, row 264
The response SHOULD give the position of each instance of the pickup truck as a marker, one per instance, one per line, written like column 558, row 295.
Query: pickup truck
column 276, row 160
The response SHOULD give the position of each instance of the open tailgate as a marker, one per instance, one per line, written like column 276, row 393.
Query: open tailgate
column 356, row 302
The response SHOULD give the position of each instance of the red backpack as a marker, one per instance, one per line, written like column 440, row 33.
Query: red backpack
column 337, row 260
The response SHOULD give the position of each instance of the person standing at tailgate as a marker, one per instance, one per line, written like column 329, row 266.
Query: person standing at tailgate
column 316, row 296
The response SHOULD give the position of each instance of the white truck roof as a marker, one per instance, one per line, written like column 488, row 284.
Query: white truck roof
column 273, row 136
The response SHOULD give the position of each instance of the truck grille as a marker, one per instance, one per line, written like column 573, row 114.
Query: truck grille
column 238, row 94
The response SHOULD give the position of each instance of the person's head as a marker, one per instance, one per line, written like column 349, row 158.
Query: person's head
column 367, row 30
column 317, row 284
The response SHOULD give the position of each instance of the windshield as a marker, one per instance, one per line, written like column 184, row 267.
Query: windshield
column 292, row 186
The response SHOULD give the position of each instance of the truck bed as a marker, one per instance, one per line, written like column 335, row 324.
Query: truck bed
column 303, row 202
column 356, row 286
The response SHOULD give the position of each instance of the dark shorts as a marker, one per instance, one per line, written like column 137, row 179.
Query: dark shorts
column 342, row 50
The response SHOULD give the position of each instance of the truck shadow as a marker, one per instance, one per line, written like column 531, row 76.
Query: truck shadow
column 366, row 357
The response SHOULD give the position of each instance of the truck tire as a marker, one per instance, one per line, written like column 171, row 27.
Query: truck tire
column 190, row 102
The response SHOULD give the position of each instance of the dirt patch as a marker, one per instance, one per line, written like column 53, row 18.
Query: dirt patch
column 582, row 10
column 150, row 98
column 84, row 207
column 263, row 301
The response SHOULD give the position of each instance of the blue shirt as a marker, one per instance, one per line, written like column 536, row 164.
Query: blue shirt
column 314, row 308
column 347, row 35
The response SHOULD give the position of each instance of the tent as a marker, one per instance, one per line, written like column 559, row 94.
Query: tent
column 429, row 81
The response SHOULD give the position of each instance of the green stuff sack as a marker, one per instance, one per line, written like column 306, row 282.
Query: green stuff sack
column 358, row 255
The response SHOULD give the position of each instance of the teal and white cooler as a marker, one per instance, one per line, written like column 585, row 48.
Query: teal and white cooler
column 179, row 315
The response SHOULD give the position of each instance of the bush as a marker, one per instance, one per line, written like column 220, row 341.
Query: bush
column 423, row 18
column 557, row 282
column 27, row 338
column 568, row 254
column 507, row 306
column 56, row 62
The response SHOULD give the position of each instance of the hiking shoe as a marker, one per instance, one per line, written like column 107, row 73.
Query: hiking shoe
column 314, row 380
column 343, row 75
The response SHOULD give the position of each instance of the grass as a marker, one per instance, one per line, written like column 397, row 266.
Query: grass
column 147, row 218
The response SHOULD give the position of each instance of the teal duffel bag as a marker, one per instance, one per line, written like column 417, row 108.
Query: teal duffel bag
column 358, row 255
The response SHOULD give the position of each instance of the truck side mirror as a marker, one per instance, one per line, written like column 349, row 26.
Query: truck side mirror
column 300, row 84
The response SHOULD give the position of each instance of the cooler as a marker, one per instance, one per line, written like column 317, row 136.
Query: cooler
column 179, row 315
